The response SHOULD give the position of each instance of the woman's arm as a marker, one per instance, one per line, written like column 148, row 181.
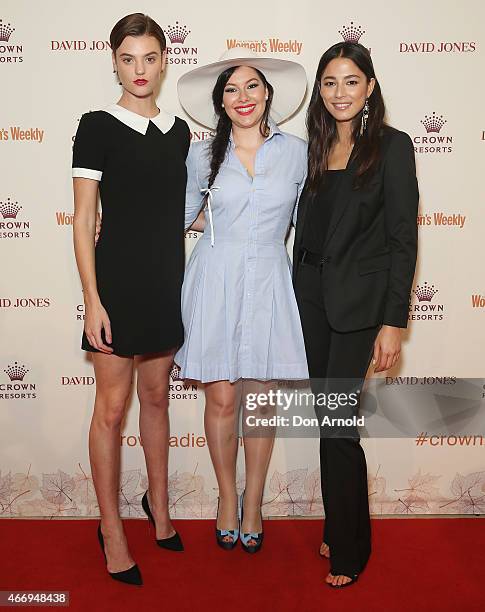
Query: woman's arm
column 401, row 198
column 85, row 204
column 199, row 224
column 194, row 197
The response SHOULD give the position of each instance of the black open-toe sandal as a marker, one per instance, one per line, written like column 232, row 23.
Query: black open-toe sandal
column 353, row 579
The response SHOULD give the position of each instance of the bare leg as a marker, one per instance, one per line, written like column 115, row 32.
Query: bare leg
column 152, row 387
column 113, row 383
column 221, row 413
column 258, row 446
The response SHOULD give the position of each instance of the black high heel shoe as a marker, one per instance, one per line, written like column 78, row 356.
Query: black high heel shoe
column 129, row 576
column 223, row 533
column 173, row 542
column 247, row 537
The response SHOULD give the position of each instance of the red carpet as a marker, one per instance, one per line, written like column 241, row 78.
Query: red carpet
column 417, row 564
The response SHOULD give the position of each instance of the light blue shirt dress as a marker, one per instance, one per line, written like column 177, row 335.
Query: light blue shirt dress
column 239, row 310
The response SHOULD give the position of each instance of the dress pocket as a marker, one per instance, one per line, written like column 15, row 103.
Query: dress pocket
column 374, row 263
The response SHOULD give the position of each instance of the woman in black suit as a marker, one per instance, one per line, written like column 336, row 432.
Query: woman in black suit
column 354, row 260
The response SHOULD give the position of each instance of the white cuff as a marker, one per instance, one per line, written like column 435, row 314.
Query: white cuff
column 87, row 173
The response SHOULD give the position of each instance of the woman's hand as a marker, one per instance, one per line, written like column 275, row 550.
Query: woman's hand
column 97, row 319
column 98, row 228
column 387, row 348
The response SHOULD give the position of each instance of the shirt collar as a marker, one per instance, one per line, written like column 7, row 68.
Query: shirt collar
column 273, row 129
column 164, row 121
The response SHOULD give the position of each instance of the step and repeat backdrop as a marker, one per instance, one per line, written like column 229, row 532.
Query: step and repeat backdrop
column 55, row 64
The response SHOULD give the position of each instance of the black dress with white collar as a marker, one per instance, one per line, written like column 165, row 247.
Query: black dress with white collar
column 140, row 166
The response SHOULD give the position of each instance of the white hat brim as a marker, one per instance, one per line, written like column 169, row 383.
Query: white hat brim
column 288, row 79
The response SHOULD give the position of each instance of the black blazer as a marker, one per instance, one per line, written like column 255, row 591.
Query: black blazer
column 371, row 245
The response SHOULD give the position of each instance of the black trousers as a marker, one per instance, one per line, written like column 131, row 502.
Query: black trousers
column 338, row 356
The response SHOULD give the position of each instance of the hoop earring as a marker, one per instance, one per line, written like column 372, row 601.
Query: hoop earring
column 365, row 117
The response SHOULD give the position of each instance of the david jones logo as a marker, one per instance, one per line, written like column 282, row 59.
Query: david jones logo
column 434, row 141
column 76, row 381
column 17, row 388
column 438, row 47
column 425, row 310
column 178, row 52
column 25, row 302
column 10, row 53
column 10, row 226
column 80, row 45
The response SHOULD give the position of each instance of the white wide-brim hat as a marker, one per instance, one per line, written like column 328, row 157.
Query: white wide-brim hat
column 288, row 79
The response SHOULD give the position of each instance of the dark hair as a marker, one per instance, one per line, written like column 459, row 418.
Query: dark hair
column 223, row 130
column 322, row 129
column 136, row 24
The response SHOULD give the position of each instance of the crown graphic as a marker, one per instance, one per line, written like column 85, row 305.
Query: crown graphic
column 433, row 123
column 5, row 31
column 175, row 372
column 351, row 33
column 16, row 372
column 425, row 293
column 177, row 33
column 9, row 210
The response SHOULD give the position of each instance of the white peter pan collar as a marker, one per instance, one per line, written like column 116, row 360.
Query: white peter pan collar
column 164, row 121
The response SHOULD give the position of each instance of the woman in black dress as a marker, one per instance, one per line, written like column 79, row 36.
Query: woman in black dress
column 133, row 154
column 354, row 260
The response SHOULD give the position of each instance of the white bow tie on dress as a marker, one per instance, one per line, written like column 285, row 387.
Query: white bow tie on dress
column 209, row 194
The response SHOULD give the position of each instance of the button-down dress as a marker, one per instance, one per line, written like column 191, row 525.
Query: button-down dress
column 239, row 310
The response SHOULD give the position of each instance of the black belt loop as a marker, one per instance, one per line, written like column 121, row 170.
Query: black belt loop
column 314, row 259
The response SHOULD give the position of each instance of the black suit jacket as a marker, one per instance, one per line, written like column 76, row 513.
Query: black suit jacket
column 371, row 244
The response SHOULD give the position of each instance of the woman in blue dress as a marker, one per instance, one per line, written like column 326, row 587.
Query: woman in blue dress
column 241, row 320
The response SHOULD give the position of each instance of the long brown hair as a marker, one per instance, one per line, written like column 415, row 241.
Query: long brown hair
column 223, row 130
column 136, row 24
column 322, row 128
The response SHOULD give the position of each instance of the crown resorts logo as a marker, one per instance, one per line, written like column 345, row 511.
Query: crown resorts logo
column 426, row 309
column 177, row 33
column 9, row 53
column 433, row 123
column 16, row 371
column 17, row 388
column 178, row 388
column 5, row 31
column 9, row 210
column 178, row 52
column 175, row 372
column 439, row 144
column 10, row 226
column 352, row 33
